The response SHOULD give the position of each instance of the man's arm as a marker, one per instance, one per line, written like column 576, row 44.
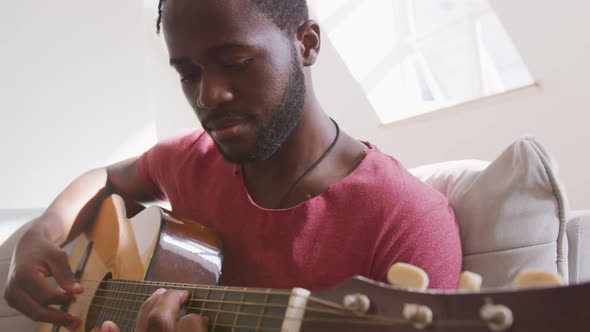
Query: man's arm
column 38, row 254
column 76, row 206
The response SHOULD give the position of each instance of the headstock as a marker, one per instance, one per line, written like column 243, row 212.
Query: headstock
column 360, row 304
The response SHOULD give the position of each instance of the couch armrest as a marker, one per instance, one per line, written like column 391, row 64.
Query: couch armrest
column 578, row 236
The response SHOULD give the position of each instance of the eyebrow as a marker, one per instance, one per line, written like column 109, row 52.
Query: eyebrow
column 174, row 62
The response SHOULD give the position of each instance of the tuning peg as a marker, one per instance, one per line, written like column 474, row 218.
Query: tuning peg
column 469, row 282
column 407, row 276
column 497, row 316
column 357, row 303
column 419, row 315
column 537, row 278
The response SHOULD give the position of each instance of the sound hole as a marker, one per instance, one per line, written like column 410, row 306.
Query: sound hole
column 112, row 301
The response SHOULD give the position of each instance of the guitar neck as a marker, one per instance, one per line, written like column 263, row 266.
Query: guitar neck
column 237, row 309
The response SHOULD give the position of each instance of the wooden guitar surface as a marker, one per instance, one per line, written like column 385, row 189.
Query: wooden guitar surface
column 175, row 252
column 118, row 273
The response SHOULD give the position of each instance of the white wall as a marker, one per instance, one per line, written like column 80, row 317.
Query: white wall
column 172, row 111
column 72, row 93
column 553, row 39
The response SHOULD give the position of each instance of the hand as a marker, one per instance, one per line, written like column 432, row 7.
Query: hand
column 159, row 312
column 27, row 289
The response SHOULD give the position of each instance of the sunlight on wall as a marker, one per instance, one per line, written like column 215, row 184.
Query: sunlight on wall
column 415, row 56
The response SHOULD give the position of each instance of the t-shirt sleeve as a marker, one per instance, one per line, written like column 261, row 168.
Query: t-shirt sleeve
column 156, row 167
column 427, row 236
column 147, row 169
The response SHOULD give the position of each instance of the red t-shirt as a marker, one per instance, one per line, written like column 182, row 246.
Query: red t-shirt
column 378, row 215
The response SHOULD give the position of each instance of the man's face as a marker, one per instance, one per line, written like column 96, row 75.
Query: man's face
column 239, row 72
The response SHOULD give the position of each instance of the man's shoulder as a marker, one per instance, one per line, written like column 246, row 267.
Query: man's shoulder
column 385, row 177
column 185, row 143
column 381, row 171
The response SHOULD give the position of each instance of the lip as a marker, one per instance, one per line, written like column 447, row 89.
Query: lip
column 227, row 129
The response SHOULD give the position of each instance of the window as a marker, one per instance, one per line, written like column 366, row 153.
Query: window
column 415, row 56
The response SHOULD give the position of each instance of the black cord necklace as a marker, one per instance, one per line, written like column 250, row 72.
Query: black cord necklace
column 310, row 169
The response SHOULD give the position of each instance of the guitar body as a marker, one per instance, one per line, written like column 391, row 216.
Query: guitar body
column 120, row 262
column 151, row 246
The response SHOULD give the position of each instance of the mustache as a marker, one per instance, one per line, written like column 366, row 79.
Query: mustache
column 225, row 115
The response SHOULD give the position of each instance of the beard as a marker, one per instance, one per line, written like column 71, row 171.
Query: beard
column 285, row 117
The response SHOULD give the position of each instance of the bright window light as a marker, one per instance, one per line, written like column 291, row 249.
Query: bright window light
column 415, row 56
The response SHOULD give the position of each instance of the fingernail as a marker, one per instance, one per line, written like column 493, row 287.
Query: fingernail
column 108, row 326
column 160, row 291
column 76, row 287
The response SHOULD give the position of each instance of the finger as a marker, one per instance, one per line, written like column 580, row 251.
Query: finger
column 109, row 326
column 62, row 272
column 146, row 308
column 163, row 314
column 26, row 304
column 192, row 323
column 41, row 291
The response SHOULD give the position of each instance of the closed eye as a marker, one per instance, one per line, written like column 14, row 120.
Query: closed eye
column 190, row 78
column 238, row 65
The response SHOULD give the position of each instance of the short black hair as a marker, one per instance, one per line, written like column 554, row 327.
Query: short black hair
column 287, row 15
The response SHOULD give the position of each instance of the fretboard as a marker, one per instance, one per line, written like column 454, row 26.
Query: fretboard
column 228, row 308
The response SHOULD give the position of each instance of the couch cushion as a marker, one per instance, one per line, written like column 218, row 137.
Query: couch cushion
column 511, row 212
column 578, row 233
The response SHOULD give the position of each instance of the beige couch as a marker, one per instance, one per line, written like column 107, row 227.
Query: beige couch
column 513, row 214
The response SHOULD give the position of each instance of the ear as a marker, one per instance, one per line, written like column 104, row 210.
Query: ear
column 309, row 42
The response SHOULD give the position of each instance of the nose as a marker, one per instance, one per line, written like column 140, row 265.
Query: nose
column 214, row 91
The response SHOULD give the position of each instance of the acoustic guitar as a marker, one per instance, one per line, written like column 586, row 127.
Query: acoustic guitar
column 121, row 261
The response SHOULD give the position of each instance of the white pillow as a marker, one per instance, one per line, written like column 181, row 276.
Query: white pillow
column 511, row 212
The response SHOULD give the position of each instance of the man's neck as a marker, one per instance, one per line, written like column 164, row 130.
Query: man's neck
column 268, row 180
column 308, row 141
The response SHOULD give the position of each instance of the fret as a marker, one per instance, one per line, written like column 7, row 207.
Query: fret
column 276, row 307
column 248, row 309
column 204, row 303
column 219, row 296
column 192, row 298
column 228, row 308
column 237, row 311
column 263, row 309
column 146, row 290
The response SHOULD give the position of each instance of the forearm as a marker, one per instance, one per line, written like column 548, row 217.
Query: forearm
column 74, row 209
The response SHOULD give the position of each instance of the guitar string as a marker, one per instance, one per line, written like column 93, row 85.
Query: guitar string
column 215, row 288
column 247, row 314
column 391, row 322
column 102, row 315
column 186, row 286
column 365, row 319
column 263, row 308
column 252, row 304
column 219, row 324
column 345, row 312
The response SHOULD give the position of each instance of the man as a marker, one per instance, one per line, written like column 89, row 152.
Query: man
column 297, row 201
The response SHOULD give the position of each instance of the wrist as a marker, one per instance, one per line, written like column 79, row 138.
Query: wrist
column 49, row 226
